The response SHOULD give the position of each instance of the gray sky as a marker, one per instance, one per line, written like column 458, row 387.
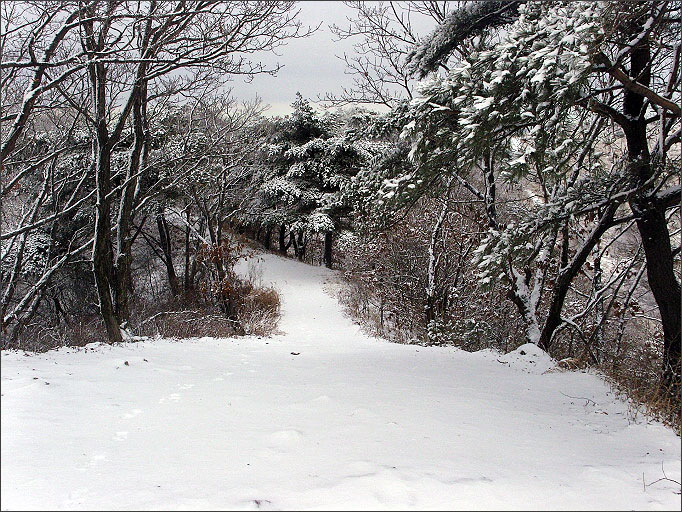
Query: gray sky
column 310, row 65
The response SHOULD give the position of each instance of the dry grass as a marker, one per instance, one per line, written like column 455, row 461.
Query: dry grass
column 235, row 306
column 259, row 311
column 188, row 324
column 646, row 397
column 41, row 336
column 367, row 314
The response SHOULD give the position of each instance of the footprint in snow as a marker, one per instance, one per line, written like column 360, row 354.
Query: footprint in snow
column 284, row 440
column 259, row 504
column 360, row 468
column 361, row 412
column 465, row 480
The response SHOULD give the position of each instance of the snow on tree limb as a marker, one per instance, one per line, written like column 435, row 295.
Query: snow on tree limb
column 461, row 24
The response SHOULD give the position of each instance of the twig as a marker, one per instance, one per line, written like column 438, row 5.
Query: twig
column 664, row 478
column 587, row 400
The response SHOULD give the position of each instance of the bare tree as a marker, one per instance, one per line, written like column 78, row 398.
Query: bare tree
column 118, row 57
column 385, row 33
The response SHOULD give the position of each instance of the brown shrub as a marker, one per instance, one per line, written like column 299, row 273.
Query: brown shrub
column 260, row 311
column 41, row 336
column 636, row 375
column 233, row 306
column 189, row 324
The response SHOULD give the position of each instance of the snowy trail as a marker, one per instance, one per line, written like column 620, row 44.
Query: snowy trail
column 351, row 422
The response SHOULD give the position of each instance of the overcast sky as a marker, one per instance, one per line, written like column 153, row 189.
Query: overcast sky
column 310, row 65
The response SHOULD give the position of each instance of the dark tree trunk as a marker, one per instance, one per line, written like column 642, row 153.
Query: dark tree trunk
column 664, row 286
column 102, row 253
column 597, row 284
column 328, row 249
column 568, row 272
column 300, row 244
column 267, row 239
column 292, row 240
column 430, row 310
column 651, row 221
column 124, row 239
column 282, row 235
column 490, row 190
column 111, row 287
column 187, row 282
column 167, row 249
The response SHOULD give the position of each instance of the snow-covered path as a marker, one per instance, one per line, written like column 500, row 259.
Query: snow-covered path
column 349, row 422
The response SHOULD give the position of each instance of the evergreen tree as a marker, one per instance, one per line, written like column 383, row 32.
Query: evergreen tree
column 305, row 173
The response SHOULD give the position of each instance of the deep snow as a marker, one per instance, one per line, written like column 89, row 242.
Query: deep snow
column 349, row 422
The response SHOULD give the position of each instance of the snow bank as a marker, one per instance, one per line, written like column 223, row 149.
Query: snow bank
column 529, row 358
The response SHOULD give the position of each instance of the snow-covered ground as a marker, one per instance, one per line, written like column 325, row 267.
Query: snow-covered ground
column 320, row 417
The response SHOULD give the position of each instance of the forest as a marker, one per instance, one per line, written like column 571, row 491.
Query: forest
column 509, row 178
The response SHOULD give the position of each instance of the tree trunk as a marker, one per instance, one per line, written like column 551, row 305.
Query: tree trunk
column 292, row 240
column 282, row 234
column 124, row 241
column 166, row 247
column 267, row 239
column 102, row 253
column 328, row 249
column 490, row 190
column 651, row 222
column 430, row 308
column 519, row 294
column 599, row 306
column 653, row 228
column 568, row 273
column 187, row 281
column 300, row 243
